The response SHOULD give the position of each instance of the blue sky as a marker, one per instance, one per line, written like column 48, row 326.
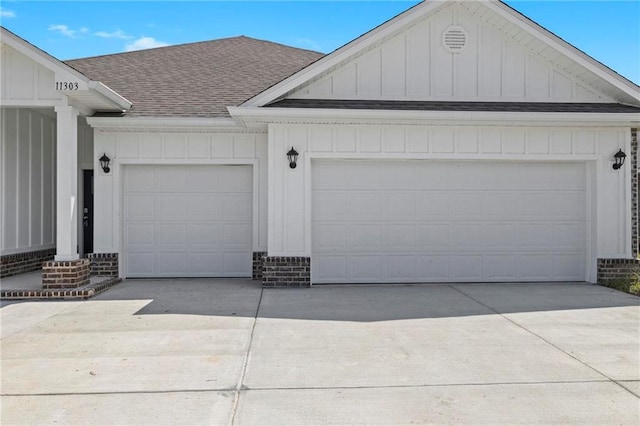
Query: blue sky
column 608, row 30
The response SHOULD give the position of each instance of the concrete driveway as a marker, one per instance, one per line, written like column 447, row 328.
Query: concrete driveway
column 226, row 352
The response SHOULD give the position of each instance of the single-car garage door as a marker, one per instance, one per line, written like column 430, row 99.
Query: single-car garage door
column 188, row 221
column 440, row 221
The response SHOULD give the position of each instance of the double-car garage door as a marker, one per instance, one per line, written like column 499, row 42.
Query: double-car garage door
column 440, row 221
column 188, row 221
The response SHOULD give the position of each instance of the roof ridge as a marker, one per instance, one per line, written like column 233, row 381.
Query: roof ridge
column 242, row 36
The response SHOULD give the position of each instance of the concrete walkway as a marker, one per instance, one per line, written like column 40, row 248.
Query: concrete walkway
column 227, row 352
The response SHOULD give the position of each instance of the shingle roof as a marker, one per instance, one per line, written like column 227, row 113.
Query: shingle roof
column 454, row 106
column 197, row 79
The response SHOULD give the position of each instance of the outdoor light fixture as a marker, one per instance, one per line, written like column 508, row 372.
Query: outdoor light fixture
column 293, row 158
column 104, row 163
column 619, row 157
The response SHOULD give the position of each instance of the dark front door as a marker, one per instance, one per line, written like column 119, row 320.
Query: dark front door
column 87, row 211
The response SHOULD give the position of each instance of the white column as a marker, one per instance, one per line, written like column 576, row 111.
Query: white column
column 66, row 183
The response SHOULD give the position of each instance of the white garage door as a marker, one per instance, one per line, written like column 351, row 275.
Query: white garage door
column 426, row 221
column 188, row 221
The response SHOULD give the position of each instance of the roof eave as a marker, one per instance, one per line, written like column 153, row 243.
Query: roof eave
column 256, row 115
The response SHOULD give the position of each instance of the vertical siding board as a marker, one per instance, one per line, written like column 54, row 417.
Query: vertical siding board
column 441, row 61
column 393, row 67
column 24, row 142
column 36, row 183
column 369, row 78
column 467, row 59
column 418, row 45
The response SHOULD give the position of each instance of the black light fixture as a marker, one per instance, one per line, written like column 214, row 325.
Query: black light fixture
column 293, row 158
column 619, row 157
column 104, row 163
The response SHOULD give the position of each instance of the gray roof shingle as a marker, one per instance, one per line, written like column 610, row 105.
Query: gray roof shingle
column 455, row 106
column 197, row 79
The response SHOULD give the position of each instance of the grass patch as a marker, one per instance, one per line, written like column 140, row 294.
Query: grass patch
column 628, row 285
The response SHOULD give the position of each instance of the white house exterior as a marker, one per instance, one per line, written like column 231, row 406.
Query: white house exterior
column 457, row 142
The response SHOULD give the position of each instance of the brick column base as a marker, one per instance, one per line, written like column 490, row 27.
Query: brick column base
column 612, row 269
column 258, row 264
column 66, row 274
column 104, row 264
column 283, row 271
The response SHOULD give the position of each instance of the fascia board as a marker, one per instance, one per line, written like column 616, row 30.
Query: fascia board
column 343, row 53
column 565, row 48
column 459, row 117
column 111, row 95
column 161, row 122
column 40, row 56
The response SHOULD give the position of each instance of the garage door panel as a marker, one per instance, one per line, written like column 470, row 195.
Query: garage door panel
column 400, row 268
column 141, row 234
column 139, row 206
column 433, row 236
column 500, row 267
column 209, row 233
column 501, row 227
column 171, row 179
column 236, row 207
column 365, row 268
column 191, row 221
column 170, row 206
column 171, row 263
column 364, row 237
column 329, row 236
column 363, row 206
column 140, row 180
column 170, row 233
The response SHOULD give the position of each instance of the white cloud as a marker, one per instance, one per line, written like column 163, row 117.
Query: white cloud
column 114, row 34
column 144, row 43
column 64, row 30
column 7, row 13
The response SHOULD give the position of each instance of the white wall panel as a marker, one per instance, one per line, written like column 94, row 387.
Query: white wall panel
column 160, row 148
column 414, row 65
column 28, row 180
column 23, row 79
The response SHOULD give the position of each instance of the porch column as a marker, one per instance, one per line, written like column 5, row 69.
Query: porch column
column 66, row 184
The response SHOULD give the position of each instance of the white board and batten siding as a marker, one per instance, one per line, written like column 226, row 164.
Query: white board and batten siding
column 600, row 224
column 224, row 187
column 27, row 180
column 415, row 65
column 25, row 82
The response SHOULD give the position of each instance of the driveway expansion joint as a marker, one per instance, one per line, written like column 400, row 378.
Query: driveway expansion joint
column 544, row 340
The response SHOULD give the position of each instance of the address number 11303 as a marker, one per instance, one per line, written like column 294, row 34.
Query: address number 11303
column 66, row 85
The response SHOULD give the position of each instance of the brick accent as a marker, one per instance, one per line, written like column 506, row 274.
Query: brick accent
column 612, row 269
column 65, row 274
column 14, row 264
column 634, row 192
column 81, row 293
column 258, row 264
column 283, row 271
column 104, row 264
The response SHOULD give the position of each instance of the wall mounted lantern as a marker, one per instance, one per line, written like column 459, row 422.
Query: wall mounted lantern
column 619, row 157
column 104, row 163
column 293, row 158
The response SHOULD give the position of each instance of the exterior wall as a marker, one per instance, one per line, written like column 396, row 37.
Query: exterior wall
column 609, row 218
column 617, row 269
column 415, row 65
column 23, row 81
column 27, row 180
column 148, row 147
column 104, row 264
column 284, row 271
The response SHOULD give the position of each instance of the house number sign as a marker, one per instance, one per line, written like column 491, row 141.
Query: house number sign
column 66, row 85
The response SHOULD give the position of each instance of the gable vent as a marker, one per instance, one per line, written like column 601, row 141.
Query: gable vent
column 455, row 38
